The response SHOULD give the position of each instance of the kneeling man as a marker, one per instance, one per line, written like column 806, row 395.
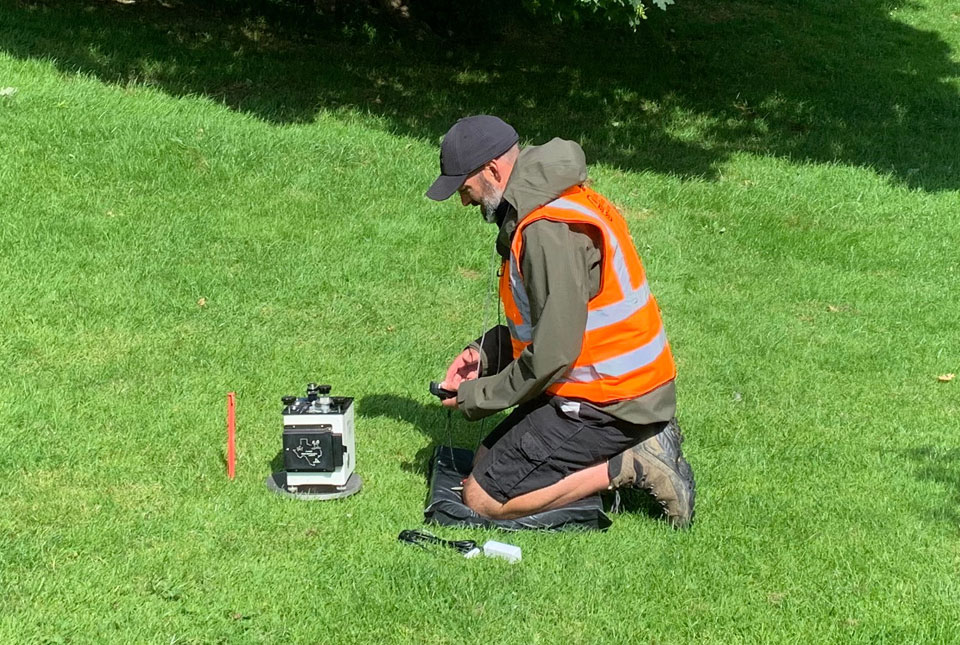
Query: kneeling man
column 584, row 356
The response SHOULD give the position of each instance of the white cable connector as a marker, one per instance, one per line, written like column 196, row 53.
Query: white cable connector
column 494, row 549
column 508, row 552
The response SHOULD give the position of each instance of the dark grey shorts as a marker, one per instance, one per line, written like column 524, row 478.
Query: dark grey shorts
column 544, row 440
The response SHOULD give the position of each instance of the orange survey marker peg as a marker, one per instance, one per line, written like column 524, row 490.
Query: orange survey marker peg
column 231, row 435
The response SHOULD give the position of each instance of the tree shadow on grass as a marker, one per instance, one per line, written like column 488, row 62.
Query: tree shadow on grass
column 943, row 467
column 817, row 81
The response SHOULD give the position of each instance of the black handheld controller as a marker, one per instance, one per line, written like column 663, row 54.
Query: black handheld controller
column 441, row 393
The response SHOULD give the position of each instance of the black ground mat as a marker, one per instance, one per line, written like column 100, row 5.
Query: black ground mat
column 445, row 506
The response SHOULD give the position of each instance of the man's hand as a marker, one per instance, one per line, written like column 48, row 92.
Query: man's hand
column 463, row 368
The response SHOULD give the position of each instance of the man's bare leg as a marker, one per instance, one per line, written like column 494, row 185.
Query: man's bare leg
column 569, row 489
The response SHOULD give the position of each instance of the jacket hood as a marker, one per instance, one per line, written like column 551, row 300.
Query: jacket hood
column 543, row 173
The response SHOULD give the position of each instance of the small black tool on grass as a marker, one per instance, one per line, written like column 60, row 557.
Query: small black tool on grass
column 422, row 539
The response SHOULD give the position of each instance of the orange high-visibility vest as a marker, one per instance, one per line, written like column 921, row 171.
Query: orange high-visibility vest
column 625, row 352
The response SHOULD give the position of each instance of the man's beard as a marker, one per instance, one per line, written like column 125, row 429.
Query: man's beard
column 490, row 199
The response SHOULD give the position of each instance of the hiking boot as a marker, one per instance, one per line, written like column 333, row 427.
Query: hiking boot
column 657, row 466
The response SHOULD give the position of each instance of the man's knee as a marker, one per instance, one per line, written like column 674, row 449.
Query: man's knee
column 480, row 500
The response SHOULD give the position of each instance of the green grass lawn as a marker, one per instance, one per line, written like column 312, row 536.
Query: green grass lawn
column 197, row 202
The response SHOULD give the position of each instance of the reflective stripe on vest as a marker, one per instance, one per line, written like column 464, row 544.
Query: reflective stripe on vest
column 619, row 365
column 524, row 331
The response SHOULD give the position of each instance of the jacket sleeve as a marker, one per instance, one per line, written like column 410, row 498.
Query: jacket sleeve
column 496, row 351
column 555, row 266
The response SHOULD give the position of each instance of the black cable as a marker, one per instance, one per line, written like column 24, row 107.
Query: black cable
column 422, row 539
column 450, row 436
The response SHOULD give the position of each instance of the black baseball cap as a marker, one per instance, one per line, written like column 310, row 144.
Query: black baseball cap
column 470, row 143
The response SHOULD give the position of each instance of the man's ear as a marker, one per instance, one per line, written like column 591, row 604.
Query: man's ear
column 495, row 170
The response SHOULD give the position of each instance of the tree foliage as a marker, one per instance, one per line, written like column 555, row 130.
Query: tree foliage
column 631, row 11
